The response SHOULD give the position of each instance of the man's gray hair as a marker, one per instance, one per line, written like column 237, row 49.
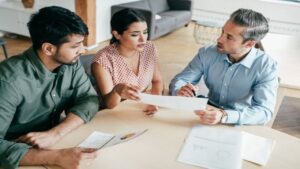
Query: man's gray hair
column 256, row 24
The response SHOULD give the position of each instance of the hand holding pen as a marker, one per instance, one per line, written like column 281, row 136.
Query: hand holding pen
column 188, row 90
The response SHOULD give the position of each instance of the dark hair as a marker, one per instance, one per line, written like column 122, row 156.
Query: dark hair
column 256, row 23
column 53, row 25
column 121, row 20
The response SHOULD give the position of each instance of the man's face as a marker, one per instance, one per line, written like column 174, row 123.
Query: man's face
column 231, row 41
column 69, row 52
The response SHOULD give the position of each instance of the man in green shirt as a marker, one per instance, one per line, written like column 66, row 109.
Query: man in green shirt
column 38, row 85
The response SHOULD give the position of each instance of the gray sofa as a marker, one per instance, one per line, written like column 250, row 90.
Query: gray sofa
column 173, row 14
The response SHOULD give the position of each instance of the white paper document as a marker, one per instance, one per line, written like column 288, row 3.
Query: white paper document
column 257, row 149
column 217, row 148
column 212, row 148
column 175, row 102
column 101, row 140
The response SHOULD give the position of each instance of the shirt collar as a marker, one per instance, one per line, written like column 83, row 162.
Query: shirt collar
column 247, row 61
column 39, row 67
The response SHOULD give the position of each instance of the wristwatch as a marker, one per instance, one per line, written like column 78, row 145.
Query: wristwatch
column 224, row 116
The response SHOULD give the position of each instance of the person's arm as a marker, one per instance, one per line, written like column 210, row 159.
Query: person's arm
column 50, row 137
column 156, row 89
column 263, row 101
column 85, row 102
column 10, row 151
column 112, row 95
column 70, row 158
column 84, row 105
column 190, row 75
column 157, row 81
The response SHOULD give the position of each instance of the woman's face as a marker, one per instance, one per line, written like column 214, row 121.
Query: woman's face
column 135, row 37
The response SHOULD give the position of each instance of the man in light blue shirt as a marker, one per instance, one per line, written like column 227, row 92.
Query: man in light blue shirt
column 241, row 79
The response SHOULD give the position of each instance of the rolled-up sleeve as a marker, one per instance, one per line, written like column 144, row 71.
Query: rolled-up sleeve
column 10, row 152
column 86, row 102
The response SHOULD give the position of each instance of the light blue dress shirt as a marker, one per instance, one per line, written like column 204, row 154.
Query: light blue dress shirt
column 245, row 90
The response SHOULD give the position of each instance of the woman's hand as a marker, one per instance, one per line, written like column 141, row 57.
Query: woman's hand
column 151, row 110
column 127, row 91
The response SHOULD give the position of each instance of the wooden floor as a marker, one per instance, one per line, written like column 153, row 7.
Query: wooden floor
column 179, row 47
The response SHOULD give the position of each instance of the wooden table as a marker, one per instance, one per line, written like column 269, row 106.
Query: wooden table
column 159, row 147
column 286, row 51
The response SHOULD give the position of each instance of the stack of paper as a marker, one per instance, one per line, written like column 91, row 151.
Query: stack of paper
column 215, row 148
column 175, row 102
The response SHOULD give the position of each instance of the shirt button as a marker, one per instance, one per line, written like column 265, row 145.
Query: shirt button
column 53, row 95
column 225, row 84
column 55, row 110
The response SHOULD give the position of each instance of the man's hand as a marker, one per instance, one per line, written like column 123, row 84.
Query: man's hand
column 70, row 158
column 73, row 158
column 127, row 91
column 188, row 90
column 48, row 138
column 40, row 139
column 150, row 110
column 211, row 116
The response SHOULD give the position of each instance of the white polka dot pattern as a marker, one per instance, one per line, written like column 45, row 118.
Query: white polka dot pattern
column 110, row 59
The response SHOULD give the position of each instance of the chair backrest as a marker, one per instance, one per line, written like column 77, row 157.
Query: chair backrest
column 259, row 46
column 86, row 61
column 2, row 43
column 279, row 99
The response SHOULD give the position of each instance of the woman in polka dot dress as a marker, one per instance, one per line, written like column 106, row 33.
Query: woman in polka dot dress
column 129, row 64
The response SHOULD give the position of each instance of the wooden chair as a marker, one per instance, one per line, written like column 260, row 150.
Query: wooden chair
column 2, row 43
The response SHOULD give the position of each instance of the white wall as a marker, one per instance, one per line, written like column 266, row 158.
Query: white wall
column 284, row 16
column 103, row 18
column 69, row 4
column 14, row 17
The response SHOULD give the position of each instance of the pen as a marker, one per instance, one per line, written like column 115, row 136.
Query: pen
column 194, row 93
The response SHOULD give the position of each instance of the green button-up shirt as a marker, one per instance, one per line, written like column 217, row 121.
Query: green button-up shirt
column 32, row 99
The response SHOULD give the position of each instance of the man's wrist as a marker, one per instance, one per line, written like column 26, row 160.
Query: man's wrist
column 224, row 116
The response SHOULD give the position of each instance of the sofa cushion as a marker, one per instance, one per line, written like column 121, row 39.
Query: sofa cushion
column 164, row 25
column 181, row 17
column 137, row 5
column 158, row 5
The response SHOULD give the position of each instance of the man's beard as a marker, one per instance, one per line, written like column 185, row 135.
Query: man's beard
column 60, row 61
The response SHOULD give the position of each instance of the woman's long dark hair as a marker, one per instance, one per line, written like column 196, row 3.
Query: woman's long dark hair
column 121, row 20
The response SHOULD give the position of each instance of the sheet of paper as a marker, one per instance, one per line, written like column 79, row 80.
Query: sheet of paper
column 96, row 140
column 212, row 148
column 175, row 102
column 100, row 140
column 257, row 149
